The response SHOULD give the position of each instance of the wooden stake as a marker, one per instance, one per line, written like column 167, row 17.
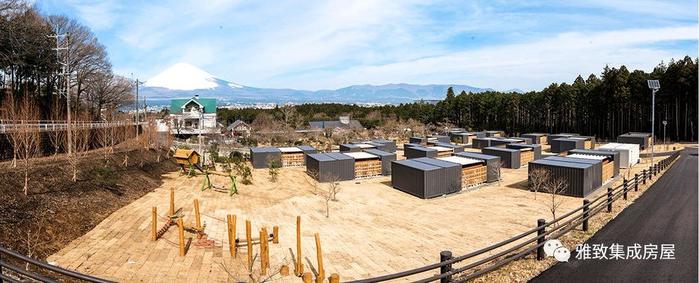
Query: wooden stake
column 275, row 236
column 299, row 266
column 172, row 201
column 180, row 226
column 263, row 260
column 284, row 270
column 319, row 254
column 154, row 224
column 197, row 216
column 334, row 278
column 307, row 277
column 232, row 235
column 248, row 235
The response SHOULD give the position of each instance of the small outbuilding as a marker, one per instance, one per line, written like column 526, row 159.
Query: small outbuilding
column 611, row 162
column 473, row 171
column 292, row 156
column 439, row 138
column 186, row 157
column 629, row 154
column 386, row 159
column 641, row 139
column 330, row 166
column 365, row 164
column 426, row 177
column 596, row 166
column 560, row 145
column 419, row 151
column 494, row 134
column 491, row 162
column 537, row 138
column 560, row 136
column 454, row 147
column 529, row 153
column 355, row 147
column 511, row 158
column 462, row 137
column 580, row 178
column 261, row 157
column 385, row 145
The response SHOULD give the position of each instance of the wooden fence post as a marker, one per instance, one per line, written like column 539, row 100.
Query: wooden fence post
column 172, row 201
column 319, row 257
column 154, row 224
column 180, row 227
column 232, row 245
column 275, row 234
column 609, row 199
column 299, row 265
column 586, row 214
column 626, row 187
column 248, row 236
column 334, row 278
column 635, row 182
column 445, row 256
column 645, row 176
column 197, row 216
column 263, row 268
column 540, row 241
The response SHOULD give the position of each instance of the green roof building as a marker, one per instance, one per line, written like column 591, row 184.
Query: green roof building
column 193, row 116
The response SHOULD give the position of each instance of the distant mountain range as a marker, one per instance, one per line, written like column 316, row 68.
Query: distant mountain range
column 183, row 80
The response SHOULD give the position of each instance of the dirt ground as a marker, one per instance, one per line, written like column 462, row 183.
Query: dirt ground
column 58, row 210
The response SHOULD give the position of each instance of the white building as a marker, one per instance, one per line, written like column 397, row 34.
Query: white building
column 193, row 116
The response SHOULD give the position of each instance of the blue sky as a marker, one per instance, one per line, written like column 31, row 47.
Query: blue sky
column 331, row 44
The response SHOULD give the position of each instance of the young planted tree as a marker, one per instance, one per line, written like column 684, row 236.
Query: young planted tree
column 555, row 187
column 497, row 171
column 57, row 137
column 330, row 193
column 537, row 178
column 27, row 136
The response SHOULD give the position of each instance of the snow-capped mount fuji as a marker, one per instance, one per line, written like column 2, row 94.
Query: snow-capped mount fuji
column 184, row 76
column 184, row 80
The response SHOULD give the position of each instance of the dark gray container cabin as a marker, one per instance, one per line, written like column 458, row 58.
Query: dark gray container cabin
column 385, row 145
column 426, row 177
column 510, row 157
column 560, row 136
column 579, row 177
column 454, row 147
column 596, row 166
column 419, row 151
column 463, row 137
column 350, row 147
column 537, row 138
column 494, row 134
column 613, row 157
column 536, row 148
column 386, row 159
column 439, row 138
column 565, row 144
column 641, row 139
column 491, row 162
column 330, row 166
column 260, row 157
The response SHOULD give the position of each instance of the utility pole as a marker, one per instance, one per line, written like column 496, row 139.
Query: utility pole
column 66, row 77
column 138, row 120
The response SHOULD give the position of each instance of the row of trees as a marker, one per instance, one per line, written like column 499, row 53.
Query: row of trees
column 616, row 102
column 31, row 66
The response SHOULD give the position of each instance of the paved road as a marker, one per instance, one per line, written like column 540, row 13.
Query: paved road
column 666, row 213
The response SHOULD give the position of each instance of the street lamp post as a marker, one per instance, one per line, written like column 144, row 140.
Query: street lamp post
column 655, row 86
column 664, row 132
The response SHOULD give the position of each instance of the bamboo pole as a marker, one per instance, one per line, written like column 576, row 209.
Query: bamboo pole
column 154, row 224
column 299, row 265
column 172, row 202
column 319, row 254
column 275, row 236
column 232, row 235
column 180, row 227
column 196, row 214
column 248, row 235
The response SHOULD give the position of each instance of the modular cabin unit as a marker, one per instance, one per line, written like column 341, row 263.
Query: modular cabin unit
column 463, row 137
column 565, row 144
column 537, row 138
column 443, row 150
column 511, row 158
column 295, row 156
column 331, row 166
column 580, row 178
column 494, row 134
column 386, row 159
column 530, row 152
column 419, row 151
column 408, row 145
column 473, row 171
column 422, row 140
column 423, row 178
column 506, row 141
column 365, row 164
column 596, row 166
column 350, row 147
column 641, row 139
column 560, row 136
column 491, row 162
column 438, row 138
column 454, row 147
column 261, row 157
column 385, row 145
column 481, row 143
column 610, row 160
column 629, row 154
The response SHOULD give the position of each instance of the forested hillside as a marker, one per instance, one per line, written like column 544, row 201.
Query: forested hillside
column 616, row 102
